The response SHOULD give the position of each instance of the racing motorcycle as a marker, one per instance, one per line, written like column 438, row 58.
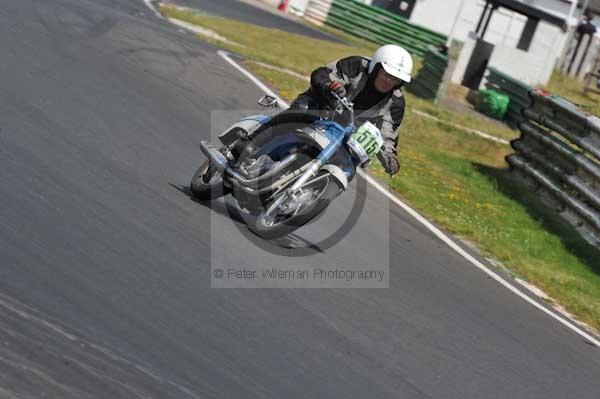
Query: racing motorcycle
column 290, row 172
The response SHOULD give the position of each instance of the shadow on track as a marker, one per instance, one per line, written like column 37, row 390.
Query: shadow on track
column 244, row 220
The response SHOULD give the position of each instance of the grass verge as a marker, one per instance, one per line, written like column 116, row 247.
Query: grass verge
column 459, row 181
column 573, row 90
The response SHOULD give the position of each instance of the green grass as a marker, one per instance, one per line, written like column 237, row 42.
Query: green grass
column 572, row 89
column 287, row 86
column 463, row 119
column 295, row 52
column 458, row 180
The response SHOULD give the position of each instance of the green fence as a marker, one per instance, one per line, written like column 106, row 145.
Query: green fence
column 429, row 78
column 515, row 89
column 381, row 26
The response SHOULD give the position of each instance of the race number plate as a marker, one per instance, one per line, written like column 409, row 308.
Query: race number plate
column 369, row 138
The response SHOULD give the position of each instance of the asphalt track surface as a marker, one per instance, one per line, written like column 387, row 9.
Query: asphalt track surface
column 105, row 265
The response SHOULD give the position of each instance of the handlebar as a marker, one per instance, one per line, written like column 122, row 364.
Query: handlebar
column 343, row 102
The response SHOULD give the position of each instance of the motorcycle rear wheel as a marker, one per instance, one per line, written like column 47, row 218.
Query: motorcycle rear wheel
column 207, row 183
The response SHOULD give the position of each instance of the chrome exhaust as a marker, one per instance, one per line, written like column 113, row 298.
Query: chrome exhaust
column 222, row 165
column 216, row 158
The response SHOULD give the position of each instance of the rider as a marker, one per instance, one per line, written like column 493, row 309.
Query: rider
column 373, row 85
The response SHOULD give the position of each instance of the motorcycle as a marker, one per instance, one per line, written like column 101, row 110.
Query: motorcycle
column 290, row 172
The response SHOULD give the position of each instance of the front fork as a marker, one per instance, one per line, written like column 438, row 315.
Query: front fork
column 324, row 156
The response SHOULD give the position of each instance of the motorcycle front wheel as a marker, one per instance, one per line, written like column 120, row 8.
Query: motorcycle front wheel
column 284, row 214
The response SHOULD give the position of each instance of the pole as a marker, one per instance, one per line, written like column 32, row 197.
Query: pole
column 456, row 18
column 482, row 17
column 571, row 13
column 487, row 22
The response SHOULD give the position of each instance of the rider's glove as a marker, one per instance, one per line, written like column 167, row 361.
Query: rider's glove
column 389, row 161
column 337, row 88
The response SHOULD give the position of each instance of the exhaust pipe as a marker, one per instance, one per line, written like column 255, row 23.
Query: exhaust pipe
column 222, row 165
column 216, row 158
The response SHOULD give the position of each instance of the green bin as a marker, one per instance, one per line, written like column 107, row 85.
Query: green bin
column 492, row 103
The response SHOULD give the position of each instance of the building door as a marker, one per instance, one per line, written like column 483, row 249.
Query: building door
column 401, row 7
column 477, row 64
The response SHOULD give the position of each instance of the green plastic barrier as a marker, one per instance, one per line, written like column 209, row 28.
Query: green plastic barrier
column 381, row 26
column 426, row 83
column 493, row 103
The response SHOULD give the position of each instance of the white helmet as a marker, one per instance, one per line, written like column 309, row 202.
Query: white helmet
column 395, row 60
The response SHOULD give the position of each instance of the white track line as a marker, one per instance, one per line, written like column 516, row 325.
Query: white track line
column 477, row 263
column 254, row 80
column 438, row 233
column 148, row 4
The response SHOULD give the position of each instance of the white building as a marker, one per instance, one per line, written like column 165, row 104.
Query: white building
column 529, row 35
column 522, row 38
column 541, row 40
